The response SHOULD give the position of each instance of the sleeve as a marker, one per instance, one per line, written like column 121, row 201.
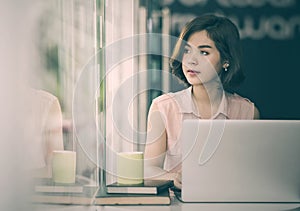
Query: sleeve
column 53, row 128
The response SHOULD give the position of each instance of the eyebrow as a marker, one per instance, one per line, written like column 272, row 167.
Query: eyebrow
column 200, row 46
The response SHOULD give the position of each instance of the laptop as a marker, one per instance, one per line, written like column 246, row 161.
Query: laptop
column 241, row 161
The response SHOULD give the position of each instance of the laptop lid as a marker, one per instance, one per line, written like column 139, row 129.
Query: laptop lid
column 241, row 161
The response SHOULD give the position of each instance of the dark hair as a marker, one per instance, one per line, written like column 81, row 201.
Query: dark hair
column 227, row 40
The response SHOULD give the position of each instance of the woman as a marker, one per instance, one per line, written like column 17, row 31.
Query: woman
column 207, row 58
column 44, row 132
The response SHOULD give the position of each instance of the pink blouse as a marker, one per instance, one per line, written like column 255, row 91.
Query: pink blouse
column 178, row 106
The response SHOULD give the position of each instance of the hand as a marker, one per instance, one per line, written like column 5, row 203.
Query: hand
column 177, row 180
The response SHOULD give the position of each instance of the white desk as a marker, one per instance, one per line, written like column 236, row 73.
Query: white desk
column 177, row 206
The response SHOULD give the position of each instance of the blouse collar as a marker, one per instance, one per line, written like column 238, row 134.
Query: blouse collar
column 188, row 105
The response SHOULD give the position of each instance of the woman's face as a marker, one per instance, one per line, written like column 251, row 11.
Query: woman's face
column 201, row 62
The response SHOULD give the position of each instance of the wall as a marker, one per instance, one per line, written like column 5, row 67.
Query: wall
column 270, row 37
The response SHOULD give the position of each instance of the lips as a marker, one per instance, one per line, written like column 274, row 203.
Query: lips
column 193, row 71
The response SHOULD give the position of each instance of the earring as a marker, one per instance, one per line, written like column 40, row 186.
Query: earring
column 226, row 67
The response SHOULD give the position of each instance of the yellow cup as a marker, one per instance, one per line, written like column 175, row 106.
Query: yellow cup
column 130, row 168
column 64, row 166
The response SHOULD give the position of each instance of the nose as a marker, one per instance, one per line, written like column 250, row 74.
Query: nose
column 192, row 59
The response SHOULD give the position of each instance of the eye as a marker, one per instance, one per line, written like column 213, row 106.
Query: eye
column 205, row 53
column 186, row 50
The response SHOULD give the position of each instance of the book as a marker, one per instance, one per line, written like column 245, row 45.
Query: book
column 98, row 196
column 104, row 198
column 85, row 198
column 47, row 185
column 148, row 187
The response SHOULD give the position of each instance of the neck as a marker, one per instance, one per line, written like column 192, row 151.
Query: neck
column 210, row 93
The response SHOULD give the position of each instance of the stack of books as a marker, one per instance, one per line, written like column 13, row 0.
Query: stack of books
column 151, row 192
column 47, row 185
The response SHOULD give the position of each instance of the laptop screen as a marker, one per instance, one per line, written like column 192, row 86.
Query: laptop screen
column 241, row 161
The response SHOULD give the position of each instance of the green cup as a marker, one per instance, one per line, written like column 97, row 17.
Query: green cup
column 64, row 166
column 130, row 168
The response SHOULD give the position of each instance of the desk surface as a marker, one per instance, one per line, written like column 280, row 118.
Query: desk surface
column 178, row 206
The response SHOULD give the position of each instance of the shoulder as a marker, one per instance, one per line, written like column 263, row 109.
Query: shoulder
column 45, row 96
column 237, row 99
column 172, row 102
column 45, row 101
column 171, row 98
column 241, row 107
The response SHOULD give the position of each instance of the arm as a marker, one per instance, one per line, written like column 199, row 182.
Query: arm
column 156, row 146
column 53, row 130
column 52, row 135
column 256, row 113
